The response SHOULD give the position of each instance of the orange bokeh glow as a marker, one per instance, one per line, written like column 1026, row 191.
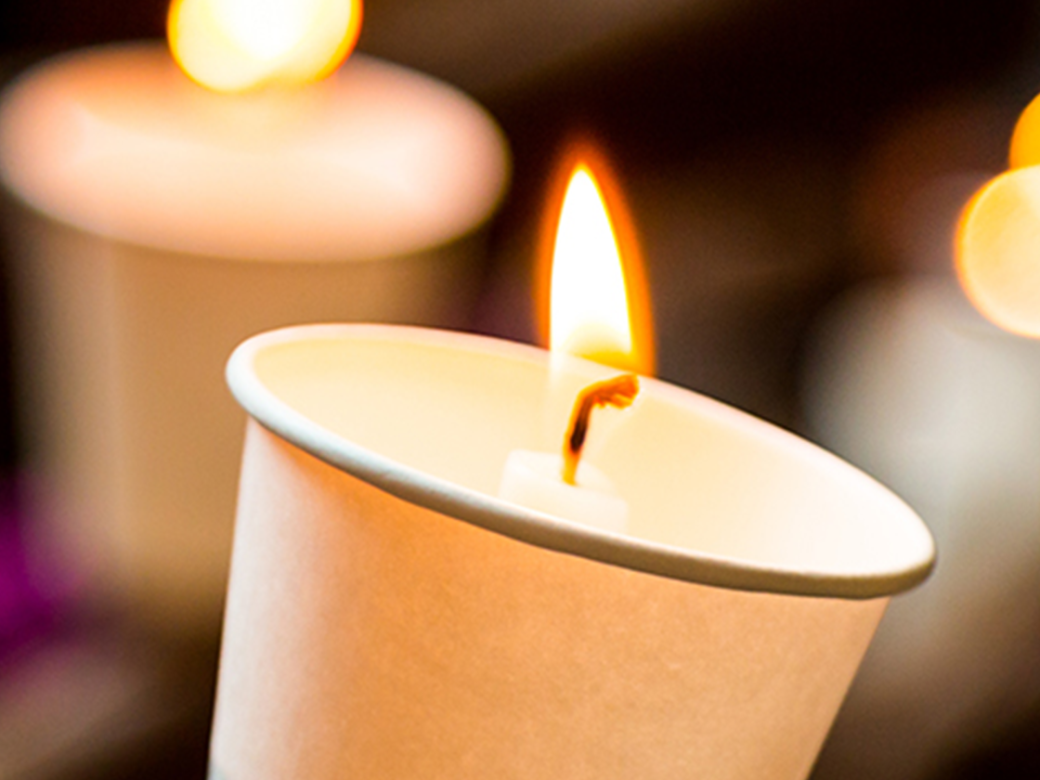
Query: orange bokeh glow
column 1025, row 141
column 598, row 307
column 238, row 45
column 998, row 251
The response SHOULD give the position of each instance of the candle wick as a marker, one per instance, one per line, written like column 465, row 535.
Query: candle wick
column 619, row 391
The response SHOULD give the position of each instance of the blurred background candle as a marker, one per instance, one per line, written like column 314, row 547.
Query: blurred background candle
column 167, row 220
column 912, row 384
column 910, row 381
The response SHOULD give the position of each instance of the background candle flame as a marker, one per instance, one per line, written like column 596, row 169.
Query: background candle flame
column 998, row 239
column 596, row 297
column 1025, row 140
column 998, row 251
column 237, row 45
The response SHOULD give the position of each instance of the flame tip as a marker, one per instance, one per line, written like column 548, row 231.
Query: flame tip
column 591, row 300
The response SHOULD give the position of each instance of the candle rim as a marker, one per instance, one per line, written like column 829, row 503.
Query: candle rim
column 415, row 486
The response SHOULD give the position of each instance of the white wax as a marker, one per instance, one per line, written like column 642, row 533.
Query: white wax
column 532, row 480
column 376, row 161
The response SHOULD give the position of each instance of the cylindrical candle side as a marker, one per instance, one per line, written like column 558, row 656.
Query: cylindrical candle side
column 367, row 636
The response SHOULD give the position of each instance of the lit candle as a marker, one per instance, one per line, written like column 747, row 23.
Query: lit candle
column 389, row 615
column 168, row 221
column 589, row 318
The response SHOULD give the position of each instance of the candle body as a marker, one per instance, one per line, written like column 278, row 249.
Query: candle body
column 156, row 228
column 459, row 654
column 532, row 479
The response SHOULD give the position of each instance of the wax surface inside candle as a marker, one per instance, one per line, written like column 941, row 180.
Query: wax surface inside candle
column 532, row 479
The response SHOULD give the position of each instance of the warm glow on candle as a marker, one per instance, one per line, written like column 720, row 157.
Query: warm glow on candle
column 998, row 251
column 236, row 45
column 590, row 310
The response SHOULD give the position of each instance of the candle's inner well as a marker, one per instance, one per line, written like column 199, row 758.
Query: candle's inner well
column 697, row 475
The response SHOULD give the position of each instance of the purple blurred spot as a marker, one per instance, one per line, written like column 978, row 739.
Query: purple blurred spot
column 28, row 606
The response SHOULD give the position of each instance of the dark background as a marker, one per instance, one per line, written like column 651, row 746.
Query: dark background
column 768, row 149
column 779, row 107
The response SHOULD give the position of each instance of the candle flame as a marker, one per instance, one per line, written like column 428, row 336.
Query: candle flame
column 998, row 251
column 237, row 45
column 591, row 309
column 1025, row 140
column 998, row 238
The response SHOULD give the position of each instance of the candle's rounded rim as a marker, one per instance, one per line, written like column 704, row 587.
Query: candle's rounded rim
column 538, row 528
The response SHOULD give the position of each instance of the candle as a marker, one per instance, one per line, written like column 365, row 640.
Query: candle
column 376, row 162
column 161, row 222
column 911, row 383
column 590, row 318
column 389, row 615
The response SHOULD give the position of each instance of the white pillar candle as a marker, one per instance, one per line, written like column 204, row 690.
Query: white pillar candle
column 165, row 223
column 389, row 616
